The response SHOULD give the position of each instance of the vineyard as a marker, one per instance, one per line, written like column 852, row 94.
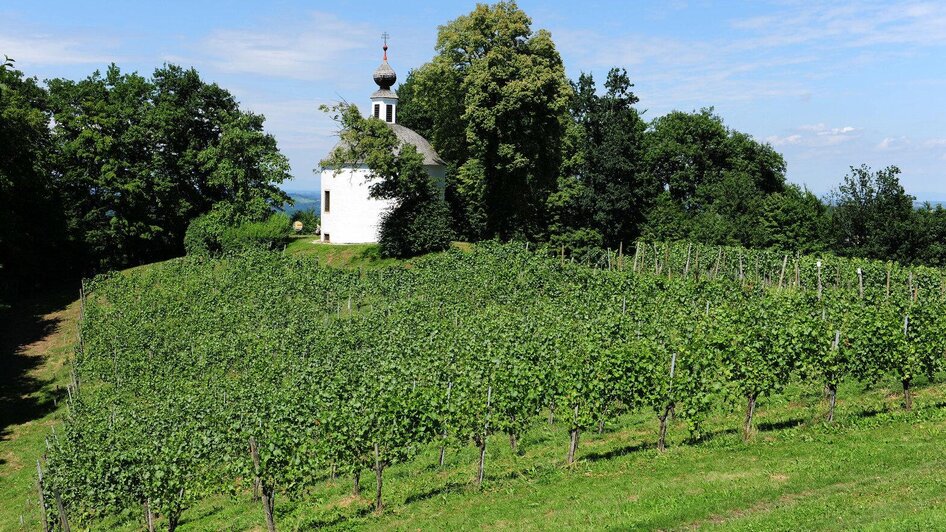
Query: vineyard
column 268, row 374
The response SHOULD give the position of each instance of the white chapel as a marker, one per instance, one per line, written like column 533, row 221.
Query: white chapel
column 349, row 215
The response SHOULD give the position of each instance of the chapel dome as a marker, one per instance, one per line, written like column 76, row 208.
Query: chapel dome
column 408, row 136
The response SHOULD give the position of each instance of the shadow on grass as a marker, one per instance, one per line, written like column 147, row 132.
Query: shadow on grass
column 780, row 425
column 620, row 451
column 24, row 324
column 337, row 520
column 448, row 488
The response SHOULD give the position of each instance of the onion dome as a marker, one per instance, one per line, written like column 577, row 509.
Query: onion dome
column 384, row 75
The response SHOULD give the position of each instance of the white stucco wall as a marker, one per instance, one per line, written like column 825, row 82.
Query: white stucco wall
column 353, row 216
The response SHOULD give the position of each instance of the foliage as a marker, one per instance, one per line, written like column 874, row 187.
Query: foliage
column 137, row 159
column 343, row 371
column 309, row 218
column 872, row 215
column 270, row 234
column 30, row 210
column 504, row 138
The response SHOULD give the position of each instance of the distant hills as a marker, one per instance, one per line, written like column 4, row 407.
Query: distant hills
column 303, row 201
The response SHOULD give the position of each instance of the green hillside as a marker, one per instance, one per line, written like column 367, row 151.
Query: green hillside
column 288, row 330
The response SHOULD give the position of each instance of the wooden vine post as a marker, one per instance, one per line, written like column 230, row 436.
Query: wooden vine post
column 819, row 279
column 42, row 498
column 832, row 386
column 860, row 282
column 266, row 491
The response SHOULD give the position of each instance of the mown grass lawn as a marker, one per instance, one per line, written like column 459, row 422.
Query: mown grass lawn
column 877, row 467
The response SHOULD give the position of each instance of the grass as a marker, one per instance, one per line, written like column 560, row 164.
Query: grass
column 339, row 255
column 876, row 468
column 36, row 342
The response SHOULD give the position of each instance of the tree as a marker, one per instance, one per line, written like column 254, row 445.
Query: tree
column 617, row 191
column 793, row 219
column 492, row 101
column 31, row 222
column 715, row 177
column 137, row 159
column 872, row 215
column 419, row 221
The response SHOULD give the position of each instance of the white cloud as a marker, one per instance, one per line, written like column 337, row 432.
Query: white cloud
column 314, row 49
column 31, row 48
column 776, row 140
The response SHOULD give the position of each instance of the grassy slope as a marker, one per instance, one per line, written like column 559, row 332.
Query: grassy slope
column 37, row 339
column 877, row 468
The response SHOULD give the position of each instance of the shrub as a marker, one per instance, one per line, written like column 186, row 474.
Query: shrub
column 310, row 220
column 415, row 228
column 273, row 233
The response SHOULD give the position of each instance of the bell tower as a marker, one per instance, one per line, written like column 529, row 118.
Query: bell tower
column 384, row 100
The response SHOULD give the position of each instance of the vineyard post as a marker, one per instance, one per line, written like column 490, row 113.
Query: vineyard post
column 621, row 256
column 686, row 269
column 356, row 482
column 819, row 279
column 907, row 397
column 781, row 276
column 668, row 410
column 267, row 491
column 479, row 476
column 149, row 517
column 719, row 257
column 798, row 273
column 860, row 282
column 656, row 260
column 63, row 518
column 741, row 277
column 832, row 384
column 563, row 254
column 443, row 444
column 609, row 259
column 910, row 280
column 573, row 443
column 667, row 259
column 42, row 498
column 378, row 472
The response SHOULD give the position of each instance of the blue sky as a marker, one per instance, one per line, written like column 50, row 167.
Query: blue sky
column 828, row 84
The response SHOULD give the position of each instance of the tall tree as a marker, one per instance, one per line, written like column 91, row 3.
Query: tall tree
column 873, row 216
column 492, row 101
column 618, row 191
column 138, row 159
column 715, row 176
column 31, row 222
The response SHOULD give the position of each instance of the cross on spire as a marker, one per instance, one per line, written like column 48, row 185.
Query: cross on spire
column 385, row 36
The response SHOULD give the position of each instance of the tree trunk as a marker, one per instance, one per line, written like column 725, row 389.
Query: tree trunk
column 513, row 440
column 662, row 439
column 443, row 452
column 479, row 476
column 356, row 483
column 601, row 426
column 172, row 521
column 747, row 425
column 379, row 477
column 572, row 447
column 907, row 396
column 551, row 414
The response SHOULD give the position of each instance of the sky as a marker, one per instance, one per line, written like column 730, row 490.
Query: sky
column 828, row 84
